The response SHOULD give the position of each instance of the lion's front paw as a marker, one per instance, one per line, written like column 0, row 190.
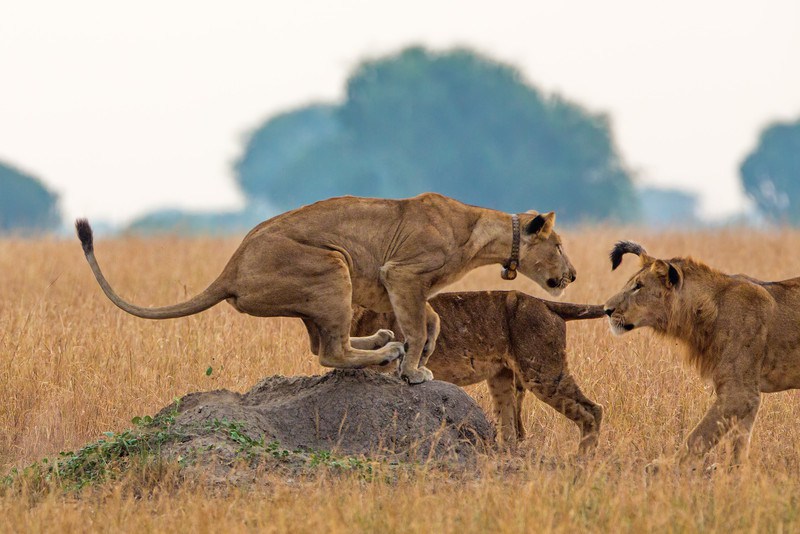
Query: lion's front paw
column 428, row 373
column 416, row 376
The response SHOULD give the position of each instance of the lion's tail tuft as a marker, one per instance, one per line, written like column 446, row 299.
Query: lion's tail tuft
column 624, row 247
column 85, row 235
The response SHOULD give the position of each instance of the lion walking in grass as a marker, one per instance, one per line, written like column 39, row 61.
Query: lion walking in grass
column 741, row 334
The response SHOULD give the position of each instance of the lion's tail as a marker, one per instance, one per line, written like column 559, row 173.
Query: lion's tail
column 571, row 312
column 211, row 296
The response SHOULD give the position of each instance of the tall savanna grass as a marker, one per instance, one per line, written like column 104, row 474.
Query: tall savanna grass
column 73, row 366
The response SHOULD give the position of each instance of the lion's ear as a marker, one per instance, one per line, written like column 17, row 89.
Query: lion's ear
column 669, row 273
column 542, row 225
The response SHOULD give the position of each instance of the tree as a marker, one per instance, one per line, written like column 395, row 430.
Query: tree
column 668, row 208
column 181, row 222
column 281, row 143
column 455, row 123
column 26, row 205
column 771, row 173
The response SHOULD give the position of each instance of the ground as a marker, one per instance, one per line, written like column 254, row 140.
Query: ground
column 74, row 367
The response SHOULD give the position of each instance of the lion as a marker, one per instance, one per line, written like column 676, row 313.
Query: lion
column 742, row 334
column 315, row 262
column 513, row 341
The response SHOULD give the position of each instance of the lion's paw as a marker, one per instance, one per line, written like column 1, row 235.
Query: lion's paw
column 382, row 337
column 417, row 376
column 428, row 373
column 393, row 350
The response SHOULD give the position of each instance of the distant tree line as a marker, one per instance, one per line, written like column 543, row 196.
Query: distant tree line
column 453, row 122
column 771, row 173
column 27, row 206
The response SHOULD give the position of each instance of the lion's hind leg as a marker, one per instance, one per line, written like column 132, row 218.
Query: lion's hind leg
column 338, row 350
column 328, row 313
column 336, row 353
column 375, row 341
column 733, row 411
column 520, row 397
column 432, row 327
column 561, row 392
column 504, row 399
column 313, row 336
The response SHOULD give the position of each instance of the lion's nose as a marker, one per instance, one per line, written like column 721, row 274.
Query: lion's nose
column 573, row 275
column 609, row 311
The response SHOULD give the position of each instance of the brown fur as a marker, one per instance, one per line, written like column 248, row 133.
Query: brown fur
column 315, row 262
column 515, row 342
column 742, row 334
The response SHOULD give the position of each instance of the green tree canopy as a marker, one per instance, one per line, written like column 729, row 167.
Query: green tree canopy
column 26, row 205
column 771, row 173
column 455, row 123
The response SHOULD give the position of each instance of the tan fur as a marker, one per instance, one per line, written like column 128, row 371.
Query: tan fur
column 513, row 341
column 316, row 261
column 742, row 334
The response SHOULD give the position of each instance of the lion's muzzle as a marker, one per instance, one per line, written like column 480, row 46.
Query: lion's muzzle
column 617, row 323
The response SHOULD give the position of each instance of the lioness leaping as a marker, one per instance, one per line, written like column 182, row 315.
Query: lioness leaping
column 386, row 255
column 742, row 334
column 513, row 341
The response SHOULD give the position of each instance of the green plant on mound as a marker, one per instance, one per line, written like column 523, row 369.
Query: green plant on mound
column 256, row 448
column 96, row 462
column 139, row 448
column 103, row 459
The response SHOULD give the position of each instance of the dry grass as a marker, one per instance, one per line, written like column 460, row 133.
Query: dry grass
column 73, row 366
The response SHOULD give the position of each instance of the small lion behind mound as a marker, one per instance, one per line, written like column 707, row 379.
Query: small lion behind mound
column 513, row 341
column 740, row 333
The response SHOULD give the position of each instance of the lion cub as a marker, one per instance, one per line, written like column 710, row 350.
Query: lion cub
column 740, row 333
column 515, row 342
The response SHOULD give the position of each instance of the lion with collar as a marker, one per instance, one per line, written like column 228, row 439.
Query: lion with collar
column 316, row 262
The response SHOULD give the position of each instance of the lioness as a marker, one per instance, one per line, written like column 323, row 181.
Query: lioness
column 513, row 341
column 741, row 333
column 386, row 255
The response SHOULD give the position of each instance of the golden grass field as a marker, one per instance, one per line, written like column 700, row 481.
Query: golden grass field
column 73, row 366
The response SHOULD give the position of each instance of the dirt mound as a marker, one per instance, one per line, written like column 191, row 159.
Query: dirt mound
column 353, row 412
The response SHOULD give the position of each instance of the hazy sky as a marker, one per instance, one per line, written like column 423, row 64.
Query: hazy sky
column 123, row 108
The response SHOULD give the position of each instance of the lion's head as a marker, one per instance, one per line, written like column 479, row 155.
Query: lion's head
column 542, row 258
column 646, row 298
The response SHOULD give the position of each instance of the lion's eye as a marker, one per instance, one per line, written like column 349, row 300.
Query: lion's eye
column 638, row 286
column 559, row 249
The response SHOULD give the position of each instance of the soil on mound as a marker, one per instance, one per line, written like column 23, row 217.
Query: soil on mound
column 349, row 412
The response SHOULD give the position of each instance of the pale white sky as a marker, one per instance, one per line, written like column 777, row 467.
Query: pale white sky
column 124, row 108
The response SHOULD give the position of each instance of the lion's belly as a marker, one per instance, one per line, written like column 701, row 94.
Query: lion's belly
column 464, row 368
column 781, row 371
column 465, row 354
column 371, row 295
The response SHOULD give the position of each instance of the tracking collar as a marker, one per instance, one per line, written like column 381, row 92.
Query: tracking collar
column 510, row 265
